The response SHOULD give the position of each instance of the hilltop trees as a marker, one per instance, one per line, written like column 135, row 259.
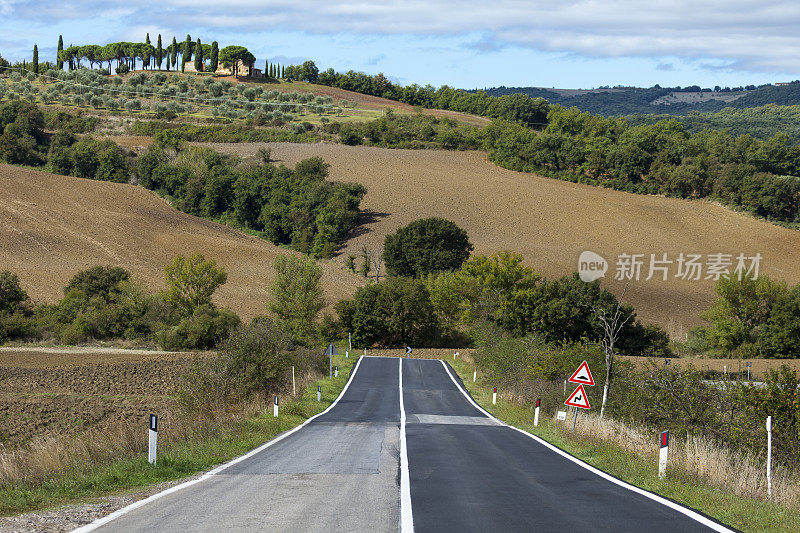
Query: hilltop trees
column 60, row 48
column 198, row 56
column 214, row 60
column 230, row 56
column 159, row 52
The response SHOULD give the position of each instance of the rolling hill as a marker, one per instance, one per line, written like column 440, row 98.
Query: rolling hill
column 549, row 221
column 53, row 226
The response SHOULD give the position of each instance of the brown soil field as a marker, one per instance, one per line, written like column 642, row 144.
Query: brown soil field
column 549, row 221
column 52, row 226
column 757, row 371
column 49, row 392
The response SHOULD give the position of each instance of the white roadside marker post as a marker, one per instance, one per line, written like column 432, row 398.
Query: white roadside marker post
column 319, row 393
column 336, row 371
column 565, row 386
column 151, row 450
column 662, row 455
column 294, row 389
column 275, row 408
column 725, row 370
column 536, row 413
column 475, row 374
column 346, row 354
column 769, row 456
column 494, row 396
column 749, row 364
column 349, row 341
column 365, row 352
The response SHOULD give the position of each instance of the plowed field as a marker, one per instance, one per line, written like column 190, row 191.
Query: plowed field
column 549, row 221
column 53, row 226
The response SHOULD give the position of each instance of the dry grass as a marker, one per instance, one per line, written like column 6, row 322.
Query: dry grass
column 738, row 472
column 549, row 221
column 52, row 226
column 757, row 372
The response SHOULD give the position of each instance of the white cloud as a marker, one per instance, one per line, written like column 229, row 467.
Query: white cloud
column 757, row 36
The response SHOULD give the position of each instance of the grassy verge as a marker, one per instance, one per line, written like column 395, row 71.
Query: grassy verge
column 745, row 514
column 207, row 446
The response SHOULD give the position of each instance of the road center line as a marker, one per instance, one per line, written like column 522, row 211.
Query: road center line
column 406, row 516
column 608, row 477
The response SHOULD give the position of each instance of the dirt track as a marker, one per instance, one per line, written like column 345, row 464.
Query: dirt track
column 52, row 226
column 549, row 221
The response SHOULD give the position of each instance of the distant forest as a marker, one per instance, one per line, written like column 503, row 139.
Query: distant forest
column 629, row 101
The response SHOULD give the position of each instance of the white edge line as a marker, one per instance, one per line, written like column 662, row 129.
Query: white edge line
column 680, row 508
column 119, row 512
column 406, row 514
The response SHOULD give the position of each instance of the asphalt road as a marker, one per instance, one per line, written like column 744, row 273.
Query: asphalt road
column 467, row 472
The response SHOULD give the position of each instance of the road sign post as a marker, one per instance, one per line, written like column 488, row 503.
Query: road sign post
column 536, row 412
column 769, row 456
column 151, row 450
column 662, row 455
column 275, row 408
column 294, row 389
column 582, row 376
column 330, row 352
column 409, row 349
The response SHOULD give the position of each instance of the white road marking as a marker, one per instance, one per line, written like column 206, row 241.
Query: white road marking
column 406, row 515
column 119, row 512
column 663, row 501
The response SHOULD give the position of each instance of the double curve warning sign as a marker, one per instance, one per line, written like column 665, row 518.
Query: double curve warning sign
column 582, row 376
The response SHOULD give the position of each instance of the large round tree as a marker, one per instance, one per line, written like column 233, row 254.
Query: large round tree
column 424, row 246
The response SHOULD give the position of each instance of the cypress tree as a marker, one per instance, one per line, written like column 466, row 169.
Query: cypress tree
column 187, row 54
column 35, row 59
column 266, row 68
column 198, row 56
column 159, row 52
column 283, row 72
column 214, row 56
column 146, row 53
column 58, row 52
column 174, row 52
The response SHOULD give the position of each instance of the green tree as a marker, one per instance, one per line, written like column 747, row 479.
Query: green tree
column 186, row 52
column 230, row 56
column 309, row 72
column 159, row 52
column 59, row 61
column 425, row 246
column 191, row 282
column 35, row 64
column 214, row 62
column 779, row 337
column 296, row 294
column 146, row 52
column 742, row 307
column 198, row 56
column 395, row 312
column 98, row 281
column 11, row 294
column 173, row 58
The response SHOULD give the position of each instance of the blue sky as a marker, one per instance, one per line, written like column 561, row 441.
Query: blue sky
column 468, row 44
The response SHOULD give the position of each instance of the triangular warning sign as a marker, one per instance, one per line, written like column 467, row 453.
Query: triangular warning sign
column 583, row 375
column 578, row 399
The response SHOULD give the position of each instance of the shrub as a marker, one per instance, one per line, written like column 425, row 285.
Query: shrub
column 203, row 329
